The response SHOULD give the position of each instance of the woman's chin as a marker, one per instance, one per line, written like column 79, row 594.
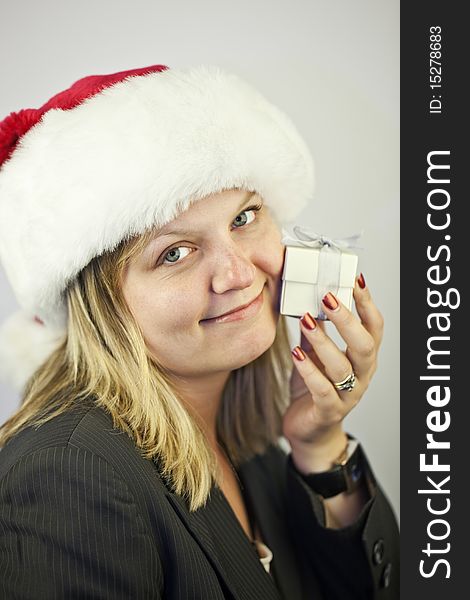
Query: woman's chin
column 245, row 351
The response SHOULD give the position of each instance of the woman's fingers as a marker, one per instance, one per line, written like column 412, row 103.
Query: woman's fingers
column 362, row 344
column 319, row 364
column 337, row 367
column 369, row 314
column 329, row 364
column 327, row 405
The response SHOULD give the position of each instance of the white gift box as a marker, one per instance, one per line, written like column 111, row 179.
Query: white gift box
column 309, row 273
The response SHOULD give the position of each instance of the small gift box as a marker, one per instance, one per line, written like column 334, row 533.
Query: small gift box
column 313, row 266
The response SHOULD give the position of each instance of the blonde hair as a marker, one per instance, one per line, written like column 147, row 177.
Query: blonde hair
column 104, row 357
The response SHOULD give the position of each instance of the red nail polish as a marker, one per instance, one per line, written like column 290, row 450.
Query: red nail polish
column 361, row 281
column 308, row 321
column 298, row 353
column 330, row 301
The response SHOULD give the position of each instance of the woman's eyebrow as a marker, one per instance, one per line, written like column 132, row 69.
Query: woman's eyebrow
column 188, row 231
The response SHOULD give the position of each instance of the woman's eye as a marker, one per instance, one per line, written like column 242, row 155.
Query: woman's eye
column 242, row 219
column 173, row 255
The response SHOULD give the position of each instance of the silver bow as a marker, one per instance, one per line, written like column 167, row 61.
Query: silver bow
column 329, row 262
column 307, row 237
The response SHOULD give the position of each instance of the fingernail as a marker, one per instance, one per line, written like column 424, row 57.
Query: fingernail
column 330, row 301
column 308, row 321
column 361, row 281
column 298, row 353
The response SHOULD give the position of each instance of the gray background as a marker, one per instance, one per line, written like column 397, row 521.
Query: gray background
column 332, row 66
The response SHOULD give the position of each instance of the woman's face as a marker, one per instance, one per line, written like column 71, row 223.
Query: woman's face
column 218, row 255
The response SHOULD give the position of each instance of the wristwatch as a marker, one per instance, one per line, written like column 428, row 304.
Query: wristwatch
column 344, row 476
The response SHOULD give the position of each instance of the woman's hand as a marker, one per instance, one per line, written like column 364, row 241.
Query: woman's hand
column 313, row 422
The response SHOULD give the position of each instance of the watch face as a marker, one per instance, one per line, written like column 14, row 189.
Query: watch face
column 356, row 473
column 353, row 470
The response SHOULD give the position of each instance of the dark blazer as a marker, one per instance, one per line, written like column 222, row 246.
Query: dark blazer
column 83, row 515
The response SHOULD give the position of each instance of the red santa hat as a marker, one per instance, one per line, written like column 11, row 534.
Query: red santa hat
column 114, row 155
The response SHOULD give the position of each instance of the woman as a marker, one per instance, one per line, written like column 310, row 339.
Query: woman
column 140, row 216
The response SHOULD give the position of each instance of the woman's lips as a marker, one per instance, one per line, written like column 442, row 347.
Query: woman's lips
column 243, row 313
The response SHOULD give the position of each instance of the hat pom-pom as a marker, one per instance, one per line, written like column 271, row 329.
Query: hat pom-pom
column 25, row 344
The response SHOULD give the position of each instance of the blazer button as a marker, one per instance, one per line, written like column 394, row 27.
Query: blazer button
column 387, row 575
column 378, row 552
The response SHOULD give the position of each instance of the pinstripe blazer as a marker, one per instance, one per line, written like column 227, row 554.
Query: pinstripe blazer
column 83, row 515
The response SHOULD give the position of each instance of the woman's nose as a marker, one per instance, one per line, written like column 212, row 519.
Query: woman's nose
column 232, row 270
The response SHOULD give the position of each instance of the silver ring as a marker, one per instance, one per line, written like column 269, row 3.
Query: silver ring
column 347, row 384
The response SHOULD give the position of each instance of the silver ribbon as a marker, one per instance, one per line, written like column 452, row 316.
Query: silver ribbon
column 329, row 261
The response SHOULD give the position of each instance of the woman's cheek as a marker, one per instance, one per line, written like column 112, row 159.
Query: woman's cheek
column 275, row 257
column 181, row 309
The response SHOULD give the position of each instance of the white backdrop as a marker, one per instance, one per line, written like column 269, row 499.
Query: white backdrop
column 332, row 66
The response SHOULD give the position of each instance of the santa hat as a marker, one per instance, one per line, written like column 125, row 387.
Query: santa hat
column 114, row 155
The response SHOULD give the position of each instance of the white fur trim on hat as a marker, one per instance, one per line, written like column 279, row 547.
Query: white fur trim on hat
column 133, row 156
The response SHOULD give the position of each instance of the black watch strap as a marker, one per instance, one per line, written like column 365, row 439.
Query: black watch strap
column 341, row 478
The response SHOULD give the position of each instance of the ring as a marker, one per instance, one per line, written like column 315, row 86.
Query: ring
column 346, row 384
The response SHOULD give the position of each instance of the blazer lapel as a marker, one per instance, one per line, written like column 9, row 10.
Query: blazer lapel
column 263, row 497
column 228, row 550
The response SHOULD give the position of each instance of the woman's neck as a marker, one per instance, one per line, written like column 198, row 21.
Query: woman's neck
column 204, row 395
